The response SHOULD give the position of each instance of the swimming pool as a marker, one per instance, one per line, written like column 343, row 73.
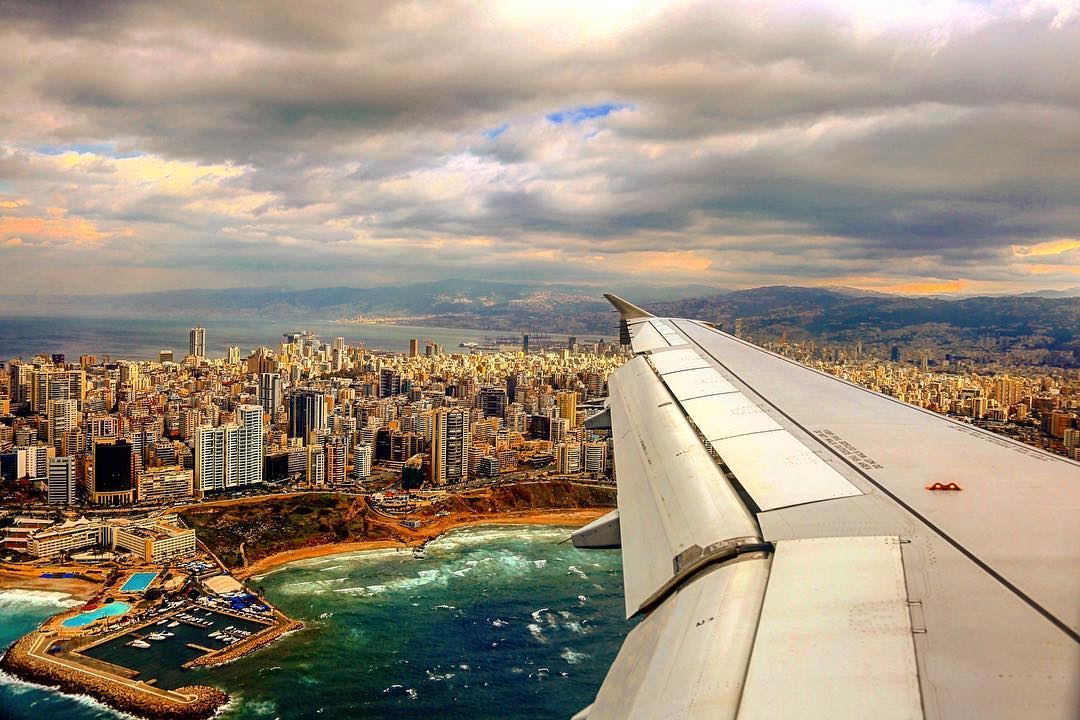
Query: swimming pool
column 138, row 582
column 85, row 618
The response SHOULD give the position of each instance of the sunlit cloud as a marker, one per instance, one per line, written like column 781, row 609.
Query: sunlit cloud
column 1050, row 247
column 53, row 229
column 929, row 147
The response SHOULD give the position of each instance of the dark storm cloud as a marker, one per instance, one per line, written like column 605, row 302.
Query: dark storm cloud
column 863, row 143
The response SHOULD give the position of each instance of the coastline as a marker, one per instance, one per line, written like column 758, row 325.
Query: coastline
column 18, row 580
column 422, row 535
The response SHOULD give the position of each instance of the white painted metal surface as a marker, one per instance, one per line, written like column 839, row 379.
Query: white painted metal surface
column 778, row 471
column 1019, row 506
column 670, row 334
column 644, row 337
column 723, row 416
column 834, row 639
column 688, row 658
column 603, row 532
column 691, row 384
column 672, row 495
column 676, row 361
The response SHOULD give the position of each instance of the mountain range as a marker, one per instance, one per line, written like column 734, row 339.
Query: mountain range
column 1041, row 327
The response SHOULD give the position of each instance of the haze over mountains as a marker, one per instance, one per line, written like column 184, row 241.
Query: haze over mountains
column 1028, row 328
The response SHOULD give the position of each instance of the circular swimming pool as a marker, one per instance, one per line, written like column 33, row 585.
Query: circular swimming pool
column 85, row 618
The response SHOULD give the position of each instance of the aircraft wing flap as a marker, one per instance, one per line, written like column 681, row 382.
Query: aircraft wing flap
column 674, row 502
column 777, row 470
column 644, row 337
column 688, row 658
column 835, row 636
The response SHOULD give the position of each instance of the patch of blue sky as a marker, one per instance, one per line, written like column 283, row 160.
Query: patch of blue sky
column 106, row 149
column 492, row 133
column 582, row 113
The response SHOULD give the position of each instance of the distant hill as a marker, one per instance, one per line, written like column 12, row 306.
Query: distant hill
column 1022, row 328
column 465, row 298
column 1029, row 329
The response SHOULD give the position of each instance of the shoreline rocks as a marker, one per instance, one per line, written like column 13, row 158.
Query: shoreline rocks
column 247, row 647
column 194, row 702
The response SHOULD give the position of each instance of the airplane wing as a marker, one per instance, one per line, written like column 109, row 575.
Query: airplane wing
column 793, row 548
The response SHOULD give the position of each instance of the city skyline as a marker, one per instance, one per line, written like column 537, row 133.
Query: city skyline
column 927, row 148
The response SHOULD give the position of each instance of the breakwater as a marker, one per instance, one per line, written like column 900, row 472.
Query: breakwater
column 246, row 647
column 26, row 660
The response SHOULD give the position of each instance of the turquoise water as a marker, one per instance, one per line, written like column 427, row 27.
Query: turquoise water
column 495, row 622
column 138, row 582
column 111, row 610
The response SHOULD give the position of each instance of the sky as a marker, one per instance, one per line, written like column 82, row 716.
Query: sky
column 918, row 147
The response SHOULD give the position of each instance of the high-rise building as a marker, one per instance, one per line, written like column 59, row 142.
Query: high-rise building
column 307, row 413
column 230, row 455
column 63, row 417
column 233, row 357
column 197, row 342
column 316, row 466
column 362, row 457
column 55, row 384
column 568, row 457
column 248, row 466
column 335, row 461
column 596, row 457
column 492, row 401
column 449, row 447
column 566, row 400
column 165, row 355
column 113, row 478
column 389, row 382
column 414, row 347
column 209, row 465
column 61, row 486
column 270, row 392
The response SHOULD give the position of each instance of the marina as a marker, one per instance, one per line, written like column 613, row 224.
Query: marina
column 163, row 653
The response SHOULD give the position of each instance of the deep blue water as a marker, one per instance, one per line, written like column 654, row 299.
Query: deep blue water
column 142, row 338
column 496, row 622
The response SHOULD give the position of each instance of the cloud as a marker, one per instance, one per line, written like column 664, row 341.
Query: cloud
column 911, row 145
column 51, row 230
column 1050, row 247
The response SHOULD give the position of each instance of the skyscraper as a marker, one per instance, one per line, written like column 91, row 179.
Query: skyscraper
column 270, row 391
column 61, row 486
column 335, row 461
column 449, row 447
column 63, row 417
column 492, row 401
column 362, row 457
column 414, row 347
column 245, row 466
column 307, row 413
column 197, row 342
column 113, row 480
column 55, row 384
column 566, row 400
column 230, row 455
column 389, row 382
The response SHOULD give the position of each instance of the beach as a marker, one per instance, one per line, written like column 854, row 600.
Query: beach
column 30, row 579
column 425, row 533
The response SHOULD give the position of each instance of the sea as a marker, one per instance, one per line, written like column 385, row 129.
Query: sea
column 141, row 338
column 500, row 622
